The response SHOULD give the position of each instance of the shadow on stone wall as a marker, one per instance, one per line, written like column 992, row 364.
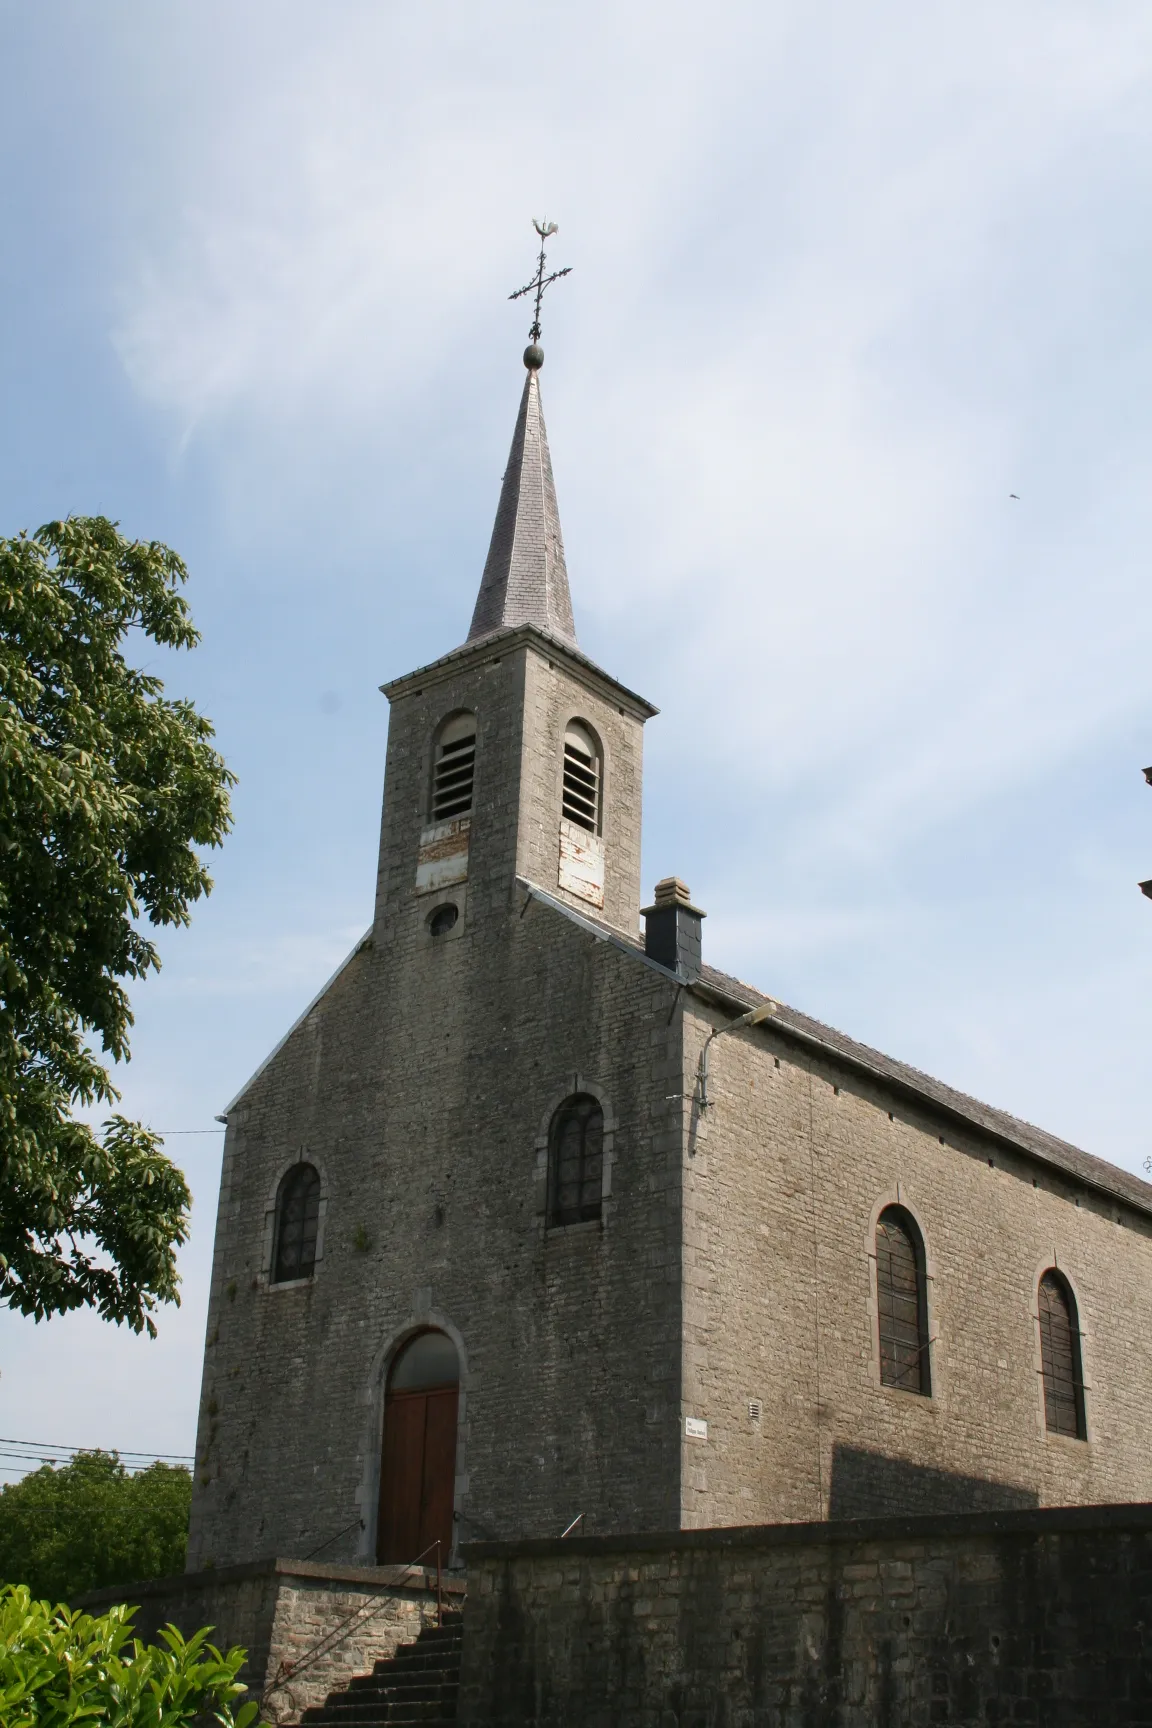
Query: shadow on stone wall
column 873, row 1485
column 1041, row 1616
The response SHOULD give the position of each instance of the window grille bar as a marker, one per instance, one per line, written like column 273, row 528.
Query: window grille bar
column 454, row 778
column 460, row 789
column 580, row 798
column 579, row 807
column 453, row 773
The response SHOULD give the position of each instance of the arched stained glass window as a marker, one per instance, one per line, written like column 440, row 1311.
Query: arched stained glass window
column 901, row 1293
column 1060, row 1358
column 576, row 1161
column 297, row 1224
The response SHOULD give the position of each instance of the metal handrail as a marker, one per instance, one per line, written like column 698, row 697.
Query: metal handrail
column 356, row 1524
column 288, row 1669
column 439, row 1577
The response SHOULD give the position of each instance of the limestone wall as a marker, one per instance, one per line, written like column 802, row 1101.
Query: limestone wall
column 704, row 1353
column 1042, row 1617
column 785, row 1174
column 307, row 1628
column 421, row 1086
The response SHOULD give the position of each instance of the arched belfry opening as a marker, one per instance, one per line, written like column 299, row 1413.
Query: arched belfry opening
column 418, row 1458
column 454, row 768
column 581, row 796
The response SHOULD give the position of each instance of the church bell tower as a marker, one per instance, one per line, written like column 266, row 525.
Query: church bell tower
column 513, row 757
column 390, row 1208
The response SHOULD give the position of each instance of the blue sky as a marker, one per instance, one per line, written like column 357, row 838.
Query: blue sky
column 844, row 279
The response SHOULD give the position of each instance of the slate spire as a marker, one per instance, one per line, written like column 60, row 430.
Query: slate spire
column 525, row 579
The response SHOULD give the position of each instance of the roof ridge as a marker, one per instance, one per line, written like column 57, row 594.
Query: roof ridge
column 990, row 1118
column 1026, row 1137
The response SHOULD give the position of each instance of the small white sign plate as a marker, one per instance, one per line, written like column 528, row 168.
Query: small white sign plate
column 695, row 1429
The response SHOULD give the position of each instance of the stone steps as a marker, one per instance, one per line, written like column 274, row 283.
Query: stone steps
column 417, row 1686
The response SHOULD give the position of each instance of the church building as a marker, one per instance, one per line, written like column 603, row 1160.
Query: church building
column 534, row 1219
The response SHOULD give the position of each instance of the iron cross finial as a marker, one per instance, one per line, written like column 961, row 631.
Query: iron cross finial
column 537, row 286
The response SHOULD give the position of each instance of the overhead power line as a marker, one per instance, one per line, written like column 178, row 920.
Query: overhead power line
column 63, row 1446
column 50, row 1452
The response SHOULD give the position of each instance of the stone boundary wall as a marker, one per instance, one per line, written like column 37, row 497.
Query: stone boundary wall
column 279, row 1610
column 1039, row 1616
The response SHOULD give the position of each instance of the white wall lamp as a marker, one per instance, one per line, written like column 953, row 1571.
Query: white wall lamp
column 754, row 1017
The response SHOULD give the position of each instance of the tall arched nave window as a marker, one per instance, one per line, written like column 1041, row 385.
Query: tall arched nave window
column 297, row 1224
column 576, row 1161
column 902, row 1302
column 1060, row 1358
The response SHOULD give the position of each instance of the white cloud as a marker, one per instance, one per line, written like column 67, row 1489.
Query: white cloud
column 803, row 230
column 844, row 282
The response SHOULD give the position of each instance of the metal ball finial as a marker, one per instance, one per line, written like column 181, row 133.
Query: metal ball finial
column 533, row 356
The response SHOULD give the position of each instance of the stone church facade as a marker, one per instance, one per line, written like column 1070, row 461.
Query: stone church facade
column 517, row 1227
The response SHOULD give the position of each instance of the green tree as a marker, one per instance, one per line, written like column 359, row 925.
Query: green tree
column 90, row 1523
column 67, row 1670
column 107, row 790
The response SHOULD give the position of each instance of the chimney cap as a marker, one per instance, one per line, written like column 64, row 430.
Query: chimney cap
column 671, row 891
column 671, row 888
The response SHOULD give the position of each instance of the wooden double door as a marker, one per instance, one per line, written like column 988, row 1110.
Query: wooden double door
column 418, row 1474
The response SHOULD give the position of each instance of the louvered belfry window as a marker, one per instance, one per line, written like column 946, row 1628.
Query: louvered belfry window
column 297, row 1224
column 901, row 1291
column 576, row 1161
column 581, row 778
column 1060, row 1359
column 454, row 768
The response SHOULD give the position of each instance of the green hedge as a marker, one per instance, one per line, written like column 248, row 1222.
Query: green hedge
column 64, row 1669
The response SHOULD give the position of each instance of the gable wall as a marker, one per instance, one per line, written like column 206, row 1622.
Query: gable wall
column 781, row 1194
column 420, row 1085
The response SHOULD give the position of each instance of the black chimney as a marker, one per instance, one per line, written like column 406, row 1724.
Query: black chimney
column 672, row 929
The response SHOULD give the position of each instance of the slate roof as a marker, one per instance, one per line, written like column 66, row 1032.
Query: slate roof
column 1095, row 1172
column 1059, row 1154
column 525, row 578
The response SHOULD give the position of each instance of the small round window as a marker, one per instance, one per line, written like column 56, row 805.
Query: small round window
column 442, row 920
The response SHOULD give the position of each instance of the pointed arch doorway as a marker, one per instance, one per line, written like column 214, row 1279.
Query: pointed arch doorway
column 418, row 1461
